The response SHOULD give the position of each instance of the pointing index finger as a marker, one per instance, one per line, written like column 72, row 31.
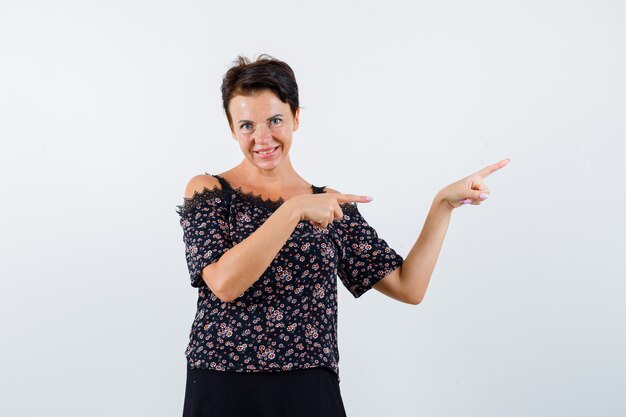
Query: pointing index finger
column 485, row 172
column 348, row 198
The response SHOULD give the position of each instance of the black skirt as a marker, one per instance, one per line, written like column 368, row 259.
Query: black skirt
column 312, row 392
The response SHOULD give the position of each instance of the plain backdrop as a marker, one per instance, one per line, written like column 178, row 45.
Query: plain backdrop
column 108, row 108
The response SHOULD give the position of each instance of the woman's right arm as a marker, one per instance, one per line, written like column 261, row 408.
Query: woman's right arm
column 244, row 263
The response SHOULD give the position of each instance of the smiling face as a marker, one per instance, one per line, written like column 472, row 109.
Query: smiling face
column 262, row 122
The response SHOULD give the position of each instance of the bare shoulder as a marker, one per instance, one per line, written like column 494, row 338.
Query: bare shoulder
column 198, row 183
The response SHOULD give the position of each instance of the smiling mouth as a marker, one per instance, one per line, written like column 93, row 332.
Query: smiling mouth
column 267, row 152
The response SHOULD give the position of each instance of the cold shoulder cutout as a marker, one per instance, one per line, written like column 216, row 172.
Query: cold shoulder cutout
column 200, row 190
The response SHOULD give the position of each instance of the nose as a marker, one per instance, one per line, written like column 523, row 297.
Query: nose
column 263, row 133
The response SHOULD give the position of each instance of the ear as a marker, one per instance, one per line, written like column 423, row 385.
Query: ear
column 296, row 119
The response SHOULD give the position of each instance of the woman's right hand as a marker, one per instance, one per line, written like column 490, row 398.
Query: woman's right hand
column 323, row 208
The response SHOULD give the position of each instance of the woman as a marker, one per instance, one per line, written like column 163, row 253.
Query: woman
column 264, row 247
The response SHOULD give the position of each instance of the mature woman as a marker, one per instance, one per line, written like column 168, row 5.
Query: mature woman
column 264, row 247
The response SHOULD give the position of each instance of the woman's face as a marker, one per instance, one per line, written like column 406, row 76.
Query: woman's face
column 262, row 122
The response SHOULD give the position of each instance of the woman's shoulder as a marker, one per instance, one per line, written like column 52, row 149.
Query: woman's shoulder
column 203, row 192
column 199, row 183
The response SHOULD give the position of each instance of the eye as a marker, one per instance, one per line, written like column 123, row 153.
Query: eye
column 243, row 126
column 277, row 120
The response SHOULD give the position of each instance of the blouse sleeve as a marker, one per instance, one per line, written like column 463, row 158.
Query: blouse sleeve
column 206, row 231
column 365, row 258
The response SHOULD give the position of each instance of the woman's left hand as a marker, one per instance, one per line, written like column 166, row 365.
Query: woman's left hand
column 471, row 189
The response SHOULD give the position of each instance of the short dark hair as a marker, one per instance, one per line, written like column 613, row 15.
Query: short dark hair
column 265, row 73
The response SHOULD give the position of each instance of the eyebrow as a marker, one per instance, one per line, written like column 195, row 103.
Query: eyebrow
column 269, row 118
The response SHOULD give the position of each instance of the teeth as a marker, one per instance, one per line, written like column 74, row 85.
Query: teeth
column 266, row 152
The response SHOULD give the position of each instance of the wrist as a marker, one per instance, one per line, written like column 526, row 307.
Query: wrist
column 293, row 207
column 442, row 203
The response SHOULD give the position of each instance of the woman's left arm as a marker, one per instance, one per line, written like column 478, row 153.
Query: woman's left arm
column 409, row 282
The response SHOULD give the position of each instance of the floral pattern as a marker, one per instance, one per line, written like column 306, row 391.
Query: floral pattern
column 287, row 319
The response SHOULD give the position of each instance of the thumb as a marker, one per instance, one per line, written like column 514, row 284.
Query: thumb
column 477, row 195
column 480, row 195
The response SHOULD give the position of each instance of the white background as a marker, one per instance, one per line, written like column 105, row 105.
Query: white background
column 108, row 108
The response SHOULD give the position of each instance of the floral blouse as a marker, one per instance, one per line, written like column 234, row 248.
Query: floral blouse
column 287, row 319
